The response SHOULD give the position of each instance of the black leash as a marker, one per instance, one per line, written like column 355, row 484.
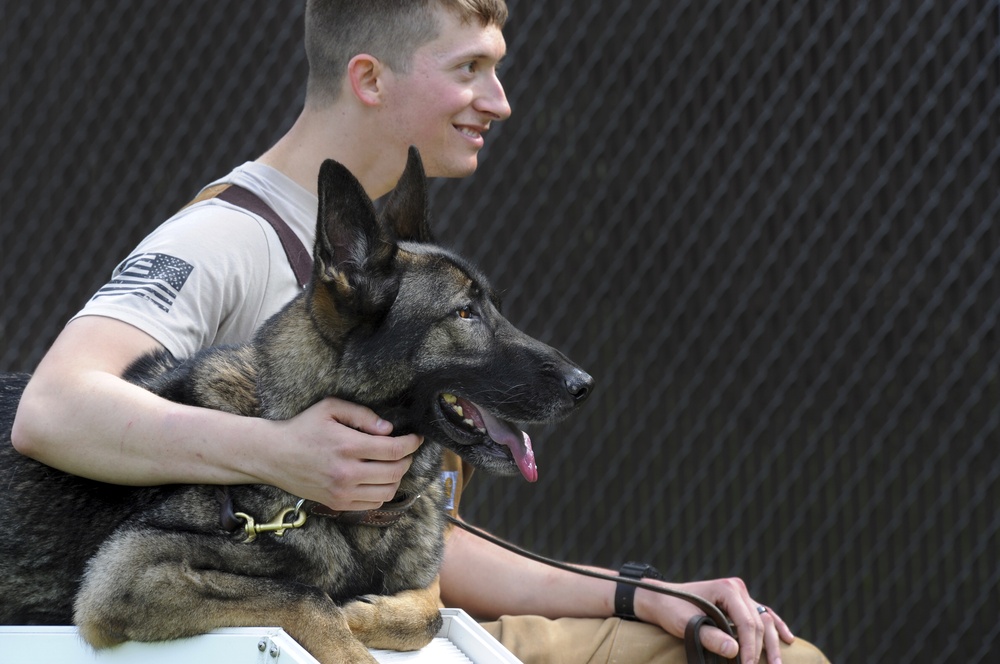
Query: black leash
column 713, row 617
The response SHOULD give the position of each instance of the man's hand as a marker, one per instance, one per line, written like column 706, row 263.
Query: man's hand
column 759, row 633
column 340, row 454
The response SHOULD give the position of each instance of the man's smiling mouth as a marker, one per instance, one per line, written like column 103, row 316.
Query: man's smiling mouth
column 471, row 131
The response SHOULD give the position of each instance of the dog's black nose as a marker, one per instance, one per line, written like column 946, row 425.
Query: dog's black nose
column 578, row 384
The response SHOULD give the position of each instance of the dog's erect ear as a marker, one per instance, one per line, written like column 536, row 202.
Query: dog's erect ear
column 406, row 211
column 354, row 251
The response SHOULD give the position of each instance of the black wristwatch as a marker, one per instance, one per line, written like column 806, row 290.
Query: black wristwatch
column 625, row 593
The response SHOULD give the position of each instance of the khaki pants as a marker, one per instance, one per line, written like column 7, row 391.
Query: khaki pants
column 536, row 640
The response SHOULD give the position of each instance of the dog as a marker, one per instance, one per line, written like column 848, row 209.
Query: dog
column 391, row 320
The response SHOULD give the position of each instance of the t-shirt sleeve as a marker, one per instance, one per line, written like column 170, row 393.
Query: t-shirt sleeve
column 200, row 276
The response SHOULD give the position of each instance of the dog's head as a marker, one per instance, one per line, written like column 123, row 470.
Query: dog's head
column 419, row 330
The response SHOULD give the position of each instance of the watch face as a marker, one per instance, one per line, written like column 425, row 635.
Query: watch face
column 639, row 571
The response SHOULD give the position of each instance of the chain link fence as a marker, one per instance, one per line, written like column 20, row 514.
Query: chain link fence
column 768, row 229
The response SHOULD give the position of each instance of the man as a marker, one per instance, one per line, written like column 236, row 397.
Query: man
column 383, row 75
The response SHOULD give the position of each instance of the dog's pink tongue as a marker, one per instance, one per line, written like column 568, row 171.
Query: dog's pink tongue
column 517, row 441
column 524, row 456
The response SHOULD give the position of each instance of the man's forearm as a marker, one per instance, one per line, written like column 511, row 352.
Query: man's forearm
column 488, row 581
column 101, row 427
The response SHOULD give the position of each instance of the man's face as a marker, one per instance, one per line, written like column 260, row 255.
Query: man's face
column 448, row 98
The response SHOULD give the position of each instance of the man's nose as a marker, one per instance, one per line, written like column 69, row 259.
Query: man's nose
column 493, row 100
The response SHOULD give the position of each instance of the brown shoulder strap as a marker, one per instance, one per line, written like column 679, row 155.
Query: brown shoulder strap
column 298, row 256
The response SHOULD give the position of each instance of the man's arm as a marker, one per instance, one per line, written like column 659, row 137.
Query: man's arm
column 489, row 581
column 78, row 415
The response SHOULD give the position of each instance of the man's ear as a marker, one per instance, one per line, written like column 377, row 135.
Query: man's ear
column 364, row 72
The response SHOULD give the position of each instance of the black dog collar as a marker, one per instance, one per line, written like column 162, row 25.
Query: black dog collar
column 625, row 593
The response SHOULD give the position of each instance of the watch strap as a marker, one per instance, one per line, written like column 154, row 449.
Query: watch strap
column 625, row 592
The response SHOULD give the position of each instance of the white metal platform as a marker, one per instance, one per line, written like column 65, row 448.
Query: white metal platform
column 461, row 639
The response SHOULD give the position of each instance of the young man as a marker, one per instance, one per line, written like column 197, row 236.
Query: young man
column 383, row 75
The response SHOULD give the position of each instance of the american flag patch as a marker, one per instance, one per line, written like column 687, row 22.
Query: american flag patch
column 155, row 277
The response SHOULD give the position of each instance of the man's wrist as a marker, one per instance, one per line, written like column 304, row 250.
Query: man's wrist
column 625, row 592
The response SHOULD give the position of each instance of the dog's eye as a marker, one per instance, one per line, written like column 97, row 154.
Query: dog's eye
column 465, row 312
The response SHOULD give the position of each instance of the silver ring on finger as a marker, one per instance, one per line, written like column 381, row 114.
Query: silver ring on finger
column 761, row 609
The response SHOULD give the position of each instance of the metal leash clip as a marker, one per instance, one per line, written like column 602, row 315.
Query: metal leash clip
column 278, row 525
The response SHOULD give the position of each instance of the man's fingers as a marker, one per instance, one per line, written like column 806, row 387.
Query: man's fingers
column 389, row 449
column 784, row 631
column 356, row 416
column 372, row 496
column 772, row 644
column 363, row 419
column 717, row 641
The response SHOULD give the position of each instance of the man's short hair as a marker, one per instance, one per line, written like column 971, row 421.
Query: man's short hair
column 390, row 30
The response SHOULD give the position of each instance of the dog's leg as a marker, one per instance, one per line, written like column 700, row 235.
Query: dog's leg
column 150, row 586
column 405, row 621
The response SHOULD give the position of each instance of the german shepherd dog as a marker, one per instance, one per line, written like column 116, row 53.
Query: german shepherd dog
column 389, row 320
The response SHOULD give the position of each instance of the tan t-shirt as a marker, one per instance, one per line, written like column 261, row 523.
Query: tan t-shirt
column 214, row 272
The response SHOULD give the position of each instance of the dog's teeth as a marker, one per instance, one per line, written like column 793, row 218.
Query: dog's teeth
column 459, row 411
column 450, row 398
column 469, row 423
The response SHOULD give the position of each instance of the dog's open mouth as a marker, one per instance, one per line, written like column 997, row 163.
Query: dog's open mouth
column 476, row 422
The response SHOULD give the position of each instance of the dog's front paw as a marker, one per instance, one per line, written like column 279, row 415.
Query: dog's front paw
column 395, row 622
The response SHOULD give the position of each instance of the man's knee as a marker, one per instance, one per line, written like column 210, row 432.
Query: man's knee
column 536, row 640
column 802, row 652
